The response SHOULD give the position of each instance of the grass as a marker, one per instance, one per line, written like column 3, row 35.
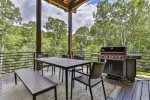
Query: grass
column 143, row 73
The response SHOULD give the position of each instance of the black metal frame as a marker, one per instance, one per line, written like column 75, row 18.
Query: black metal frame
column 66, row 71
column 89, row 82
column 78, row 57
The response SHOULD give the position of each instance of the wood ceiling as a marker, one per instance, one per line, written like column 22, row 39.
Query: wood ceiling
column 67, row 5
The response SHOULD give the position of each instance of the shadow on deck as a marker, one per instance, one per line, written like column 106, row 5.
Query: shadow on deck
column 115, row 90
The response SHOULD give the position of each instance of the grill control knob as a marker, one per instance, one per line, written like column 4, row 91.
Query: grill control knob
column 119, row 57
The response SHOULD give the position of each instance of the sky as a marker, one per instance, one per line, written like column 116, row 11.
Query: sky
column 83, row 16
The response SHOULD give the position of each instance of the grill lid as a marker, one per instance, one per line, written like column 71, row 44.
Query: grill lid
column 114, row 49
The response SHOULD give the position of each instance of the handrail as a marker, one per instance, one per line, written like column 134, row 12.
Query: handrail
column 11, row 61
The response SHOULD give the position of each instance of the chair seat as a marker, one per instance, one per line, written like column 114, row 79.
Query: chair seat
column 78, row 69
column 85, row 80
column 45, row 65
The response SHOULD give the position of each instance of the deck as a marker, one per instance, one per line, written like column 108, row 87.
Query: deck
column 0, row 87
column 115, row 90
column 139, row 90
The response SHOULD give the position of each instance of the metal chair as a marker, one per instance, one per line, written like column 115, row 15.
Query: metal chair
column 63, row 56
column 44, row 64
column 78, row 57
column 91, row 79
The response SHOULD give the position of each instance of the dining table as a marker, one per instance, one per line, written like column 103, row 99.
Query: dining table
column 66, row 64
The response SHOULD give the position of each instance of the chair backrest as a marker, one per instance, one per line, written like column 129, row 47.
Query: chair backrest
column 78, row 57
column 42, row 55
column 65, row 56
column 97, row 69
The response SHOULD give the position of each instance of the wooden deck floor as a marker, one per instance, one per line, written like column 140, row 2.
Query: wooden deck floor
column 139, row 90
column 0, row 87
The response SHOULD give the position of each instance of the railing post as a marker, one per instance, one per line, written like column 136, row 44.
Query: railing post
column 34, row 61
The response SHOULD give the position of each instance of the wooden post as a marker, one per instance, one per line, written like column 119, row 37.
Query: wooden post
column 38, row 28
column 70, row 34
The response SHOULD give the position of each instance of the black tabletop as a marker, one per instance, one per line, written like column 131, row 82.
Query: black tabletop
column 63, row 62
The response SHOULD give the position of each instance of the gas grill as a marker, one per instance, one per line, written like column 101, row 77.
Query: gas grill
column 119, row 62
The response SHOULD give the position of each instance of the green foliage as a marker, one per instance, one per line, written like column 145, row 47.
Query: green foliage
column 20, row 38
column 56, row 35
column 81, row 38
column 122, row 23
column 9, row 14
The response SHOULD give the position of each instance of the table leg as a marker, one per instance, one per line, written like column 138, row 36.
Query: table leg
column 15, row 79
column 87, row 69
column 90, row 68
column 34, row 66
column 66, row 78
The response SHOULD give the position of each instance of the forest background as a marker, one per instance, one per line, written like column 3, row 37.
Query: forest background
column 120, row 23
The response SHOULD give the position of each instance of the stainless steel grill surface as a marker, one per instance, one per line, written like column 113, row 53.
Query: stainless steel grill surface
column 117, row 53
column 119, row 62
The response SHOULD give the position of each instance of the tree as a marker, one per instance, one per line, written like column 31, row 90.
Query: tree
column 9, row 14
column 81, row 38
column 102, row 25
column 56, row 32
column 22, row 39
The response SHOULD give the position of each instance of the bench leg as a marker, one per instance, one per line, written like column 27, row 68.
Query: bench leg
column 34, row 97
column 15, row 79
column 55, row 90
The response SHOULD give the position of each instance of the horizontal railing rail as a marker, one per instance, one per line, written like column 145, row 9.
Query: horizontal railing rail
column 12, row 61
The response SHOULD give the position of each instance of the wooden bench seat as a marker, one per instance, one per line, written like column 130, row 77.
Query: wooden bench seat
column 34, row 82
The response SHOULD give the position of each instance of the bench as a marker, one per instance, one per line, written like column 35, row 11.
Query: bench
column 34, row 82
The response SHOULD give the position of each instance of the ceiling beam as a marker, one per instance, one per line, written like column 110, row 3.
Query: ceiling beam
column 72, row 2
column 59, row 3
column 77, row 4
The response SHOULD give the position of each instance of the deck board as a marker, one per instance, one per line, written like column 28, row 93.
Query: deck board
column 121, row 93
column 1, row 88
column 129, row 91
column 149, row 88
column 114, row 93
column 138, row 89
column 145, row 91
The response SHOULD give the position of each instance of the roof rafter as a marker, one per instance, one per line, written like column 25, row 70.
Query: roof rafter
column 67, row 5
column 59, row 3
column 77, row 4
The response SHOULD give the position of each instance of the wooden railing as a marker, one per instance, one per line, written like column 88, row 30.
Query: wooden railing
column 12, row 61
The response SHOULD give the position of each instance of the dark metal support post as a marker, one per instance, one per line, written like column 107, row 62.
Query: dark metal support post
column 70, row 34
column 34, row 61
column 55, row 93
column 38, row 28
column 15, row 79
column 34, row 97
